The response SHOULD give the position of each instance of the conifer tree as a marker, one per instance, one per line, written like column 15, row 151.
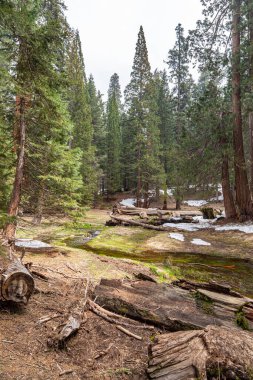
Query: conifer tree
column 178, row 64
column 99, row 129
column 42, row 126
column 80, row 113
column 114, row 143
column 143, row 154
column 165, row 113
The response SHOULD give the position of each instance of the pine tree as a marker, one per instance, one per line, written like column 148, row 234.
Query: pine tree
column 143, row 156
column 99, row 128
column 42, row 127
column 80, row 112
column 165, row 114
column 114, row 143
column 178, row 64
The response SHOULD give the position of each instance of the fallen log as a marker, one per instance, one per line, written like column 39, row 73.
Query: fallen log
column 140, row 224
column 213, row 353
column 128, row 210
column 172, row 308
column 17, row 283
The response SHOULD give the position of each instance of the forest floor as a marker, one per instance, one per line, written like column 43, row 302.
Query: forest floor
column 99, row 350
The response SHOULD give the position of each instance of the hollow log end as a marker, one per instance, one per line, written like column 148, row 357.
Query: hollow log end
column 17, row 286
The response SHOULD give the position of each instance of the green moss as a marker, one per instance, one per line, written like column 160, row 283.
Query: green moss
column 204, row 303
column 241, row 320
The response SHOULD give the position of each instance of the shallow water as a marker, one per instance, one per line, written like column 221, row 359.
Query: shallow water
column 237, row 273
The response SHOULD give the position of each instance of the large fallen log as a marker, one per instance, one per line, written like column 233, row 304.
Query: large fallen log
column 16, row 283
column 139, row 224
column 213, row 353
column 172, row 308
column 128, row 210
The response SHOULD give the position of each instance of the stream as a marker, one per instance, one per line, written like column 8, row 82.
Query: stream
column 237, row 273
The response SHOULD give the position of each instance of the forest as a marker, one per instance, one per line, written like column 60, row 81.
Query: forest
column 126, row 218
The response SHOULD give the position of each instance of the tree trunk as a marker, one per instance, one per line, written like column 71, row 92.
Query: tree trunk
column 229, row 203
column 250, row 22
column 178, row 204
column 10, row 228
column 243, row 197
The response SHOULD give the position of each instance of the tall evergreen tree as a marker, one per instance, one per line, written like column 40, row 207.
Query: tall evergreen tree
column 114, row 143
column 42, row 126
column 99, row 129
column 178, row 64
column 80, row 112
column 144, row 168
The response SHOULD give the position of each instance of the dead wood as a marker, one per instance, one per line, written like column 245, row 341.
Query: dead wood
column 138, row 211
column 171, row 307
column 47, row 318
column 16, row 282
column 72, row 324
column 129, row 333
column 192, row 355
column 140, row 224
column 109, row 317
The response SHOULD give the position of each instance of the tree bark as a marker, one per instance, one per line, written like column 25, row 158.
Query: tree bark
column 250, row 23
column 229, row 203
column 243, row 196
column 192, row 355
column 10, row 228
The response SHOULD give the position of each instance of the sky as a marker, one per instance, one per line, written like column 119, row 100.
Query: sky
column 109, row 29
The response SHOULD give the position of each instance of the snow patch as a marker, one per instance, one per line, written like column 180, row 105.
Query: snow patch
column 200, row 242
column 246, row 228
column 196, row 203
column 202, row 224
column 128, row 202
column 176, row 236
column 29, row 243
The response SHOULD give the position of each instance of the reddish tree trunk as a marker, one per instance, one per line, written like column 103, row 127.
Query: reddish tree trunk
column 10, row 228
column 229, row 203
column 250, row 21
column 243, row 197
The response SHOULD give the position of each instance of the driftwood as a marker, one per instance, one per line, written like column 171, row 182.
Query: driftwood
column 213, row 353
column 16, row 282
column 172, row 308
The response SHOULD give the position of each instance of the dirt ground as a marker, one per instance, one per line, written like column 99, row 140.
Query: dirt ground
column 98, row 351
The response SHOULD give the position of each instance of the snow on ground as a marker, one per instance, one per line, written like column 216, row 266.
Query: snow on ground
column 247, row 228
column 29, row 243
column 176, row 236
column 196, row 203
column 215, row 199
column 203, row 224
column 128, row 202
column 199, row 242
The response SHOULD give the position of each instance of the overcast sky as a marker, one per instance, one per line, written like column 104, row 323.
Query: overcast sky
column 109, row 28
